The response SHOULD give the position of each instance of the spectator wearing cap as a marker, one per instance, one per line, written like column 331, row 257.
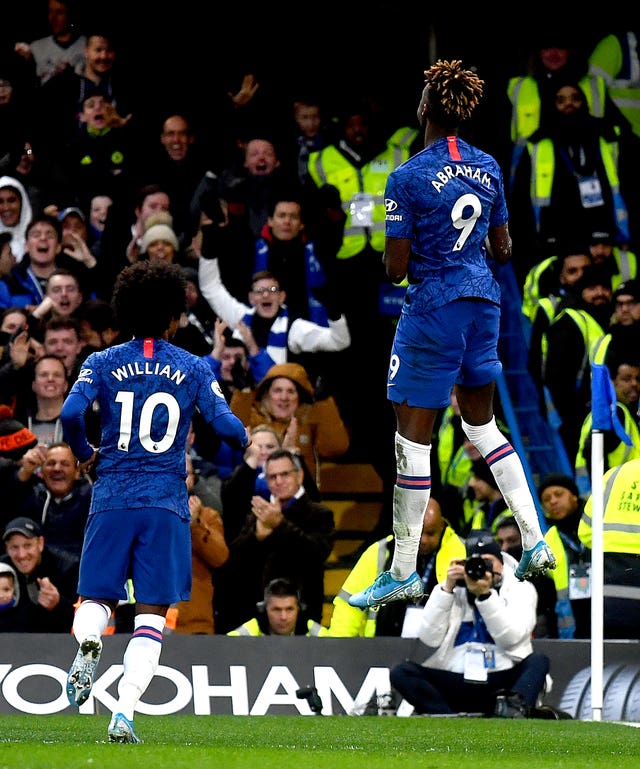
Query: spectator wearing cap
column 479, row 629
column 563, row 507
column 77, row 254
column 48, row 581
column 568, row 349
column 72, row 220
column 620, row 260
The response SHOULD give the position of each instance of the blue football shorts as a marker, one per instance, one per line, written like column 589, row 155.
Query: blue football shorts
column 455, row 344
column 150, row 545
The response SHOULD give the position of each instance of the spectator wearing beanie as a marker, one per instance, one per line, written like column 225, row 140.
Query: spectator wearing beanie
column 15, row 438
column 15, row 441
column 563, row 508
column 160, row 242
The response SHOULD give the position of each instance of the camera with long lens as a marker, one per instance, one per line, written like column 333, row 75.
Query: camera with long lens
column 475, row 567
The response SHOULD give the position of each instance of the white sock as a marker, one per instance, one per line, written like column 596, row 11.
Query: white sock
column 91, row 619
column 508, row 471
column 140, row 661
column 410, row 498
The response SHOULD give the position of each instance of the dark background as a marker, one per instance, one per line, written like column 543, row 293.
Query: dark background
column 189, row 53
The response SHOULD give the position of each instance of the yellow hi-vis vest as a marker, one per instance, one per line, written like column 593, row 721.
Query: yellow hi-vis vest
column 560, row 576
column 621, row 453
column 361, row 187
column 524, row 95
column 621, row 516
column 531, row 288
column 591, row 332
column 455, row 467
column 252, row 628
column 616, row 59
column 348, row 621
column 627, row 266
column 475, row 516
column 543, row 169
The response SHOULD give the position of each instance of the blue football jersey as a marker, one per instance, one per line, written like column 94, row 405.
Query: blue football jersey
column 147, row 390
column 444, row 199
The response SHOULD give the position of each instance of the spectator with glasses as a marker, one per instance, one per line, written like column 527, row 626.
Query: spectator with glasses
column 264, row 324
column 288, row 536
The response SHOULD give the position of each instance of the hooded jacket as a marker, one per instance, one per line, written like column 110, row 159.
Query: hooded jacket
column 321, row 432
column 19, row 232
column 7, row 568
column 8, row 612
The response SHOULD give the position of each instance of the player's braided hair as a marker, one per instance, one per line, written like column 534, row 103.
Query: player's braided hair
column 454, row 92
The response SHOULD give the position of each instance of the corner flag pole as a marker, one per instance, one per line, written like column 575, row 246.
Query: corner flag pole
column 597, row 574
column 604, row 417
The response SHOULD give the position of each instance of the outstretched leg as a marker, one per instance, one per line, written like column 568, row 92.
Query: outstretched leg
column 411, row 495
column 480, row 427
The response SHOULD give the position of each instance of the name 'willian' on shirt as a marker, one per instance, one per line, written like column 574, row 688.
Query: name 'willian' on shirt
column 452, row 172
column 137, row 368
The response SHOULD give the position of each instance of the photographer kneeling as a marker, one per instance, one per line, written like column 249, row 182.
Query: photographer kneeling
column 480, row 620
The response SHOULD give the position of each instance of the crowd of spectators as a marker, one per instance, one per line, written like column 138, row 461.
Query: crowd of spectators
column 277, row 221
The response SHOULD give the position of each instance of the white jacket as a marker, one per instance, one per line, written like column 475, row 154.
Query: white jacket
column 303, row 335
column 510, row 617
column 19, row 232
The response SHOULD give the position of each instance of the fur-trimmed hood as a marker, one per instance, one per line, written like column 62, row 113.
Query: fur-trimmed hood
column 293, row 371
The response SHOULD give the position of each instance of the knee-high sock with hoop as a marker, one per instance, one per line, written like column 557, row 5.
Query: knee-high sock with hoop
column 141, row 659
column 410, row 498
column 508, row 471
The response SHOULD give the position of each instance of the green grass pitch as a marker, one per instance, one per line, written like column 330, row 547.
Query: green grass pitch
column 317, row 742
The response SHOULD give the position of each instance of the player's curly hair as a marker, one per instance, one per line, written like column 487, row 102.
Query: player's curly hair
column 454, row 92
column 147, row 296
